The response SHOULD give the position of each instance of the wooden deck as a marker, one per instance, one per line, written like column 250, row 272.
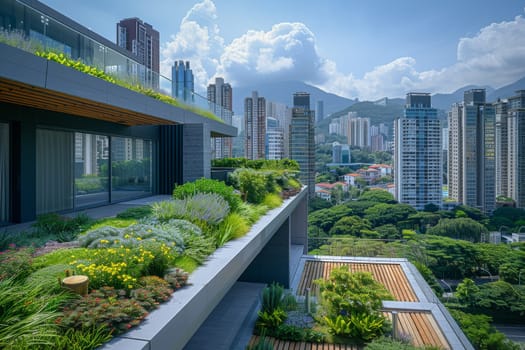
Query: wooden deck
column 290, row 345
column 391, row 276
column 421, row 328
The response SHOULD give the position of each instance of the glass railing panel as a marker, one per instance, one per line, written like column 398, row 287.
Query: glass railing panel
column 32, row 30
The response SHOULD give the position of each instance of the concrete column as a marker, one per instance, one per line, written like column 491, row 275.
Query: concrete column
column 272, row 264
column 299, row 225
column 196, row 153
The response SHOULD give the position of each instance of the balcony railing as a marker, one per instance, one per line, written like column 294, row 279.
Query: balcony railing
column 35, row 31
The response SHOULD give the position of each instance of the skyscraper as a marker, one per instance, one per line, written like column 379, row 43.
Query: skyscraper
column 417, row 153
column 319, row 110
column 255, row 126
column 283, row 114
column 516, row 148
column 501, row 148
column 182, row 83
column 471, row 161
column 274, row 139
column 302, row 139
column 359, row 132
column 220, row 96
column 142, row 40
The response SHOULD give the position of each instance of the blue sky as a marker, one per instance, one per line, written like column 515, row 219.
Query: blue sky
column 356, row 48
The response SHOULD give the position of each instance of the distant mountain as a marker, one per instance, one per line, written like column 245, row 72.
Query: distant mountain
column 282, row 92
column 506, row 91
column 444, row 101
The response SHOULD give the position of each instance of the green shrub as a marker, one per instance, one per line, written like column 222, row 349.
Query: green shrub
column 27, row 316
column 288, row 302
column 61, row 227
column 105, row 306
column 272, row 200
column 270, row 319
column 271, row 297
column 153, row 291
column 15, row 264
column 236, row 223
column 252, row 184
column 86, row 338
column 208, row 186
column 198, row 248
column 207, row 208
column 290, row 333
column 351, row 304
column 49, row 277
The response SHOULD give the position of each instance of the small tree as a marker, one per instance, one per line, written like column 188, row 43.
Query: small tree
column 351, row 303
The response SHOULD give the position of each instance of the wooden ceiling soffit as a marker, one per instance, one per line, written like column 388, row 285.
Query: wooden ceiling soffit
column 36, row 97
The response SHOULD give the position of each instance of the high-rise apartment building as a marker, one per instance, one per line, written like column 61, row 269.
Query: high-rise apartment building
column 501, row 148
column 283, row 114
column 516, row 148
column 417, row 153
column 274, row 139
column 319, row 111
column 302, row 139
column 143, row 41
column 471, row 155
column 182, row 82
column 359, row 132
column 220, row 96
column 254, row 126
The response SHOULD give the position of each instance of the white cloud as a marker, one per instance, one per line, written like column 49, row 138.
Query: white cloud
column 288, row 51
column 495, row 56
column 198, row 41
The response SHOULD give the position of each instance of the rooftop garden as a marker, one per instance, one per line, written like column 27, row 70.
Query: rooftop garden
column 346, row 311
column 19, row 40
column 134, row 262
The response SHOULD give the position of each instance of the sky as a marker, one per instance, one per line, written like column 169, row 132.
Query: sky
column 366, row 49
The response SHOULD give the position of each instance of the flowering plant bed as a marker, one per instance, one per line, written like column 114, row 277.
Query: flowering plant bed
column 133, row 264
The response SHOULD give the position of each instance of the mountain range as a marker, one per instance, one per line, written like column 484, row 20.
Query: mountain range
column 282, row 92
column 383, row 110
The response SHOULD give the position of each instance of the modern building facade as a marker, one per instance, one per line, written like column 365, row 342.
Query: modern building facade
column 471, row 154
column 221, row 95
column 274, row 139
column 319, row 110
column 359, row 132
column 255, row 126
column 70, row 140
column 182, row 81
column 143, row 42
column 283, row 114
column 340, row 153
column 418, row 174
column 516, row 148
column 302, row 139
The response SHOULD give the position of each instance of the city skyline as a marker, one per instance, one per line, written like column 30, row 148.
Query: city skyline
column 361, row 51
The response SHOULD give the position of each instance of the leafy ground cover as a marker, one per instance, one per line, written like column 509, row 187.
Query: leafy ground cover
column 134, row 263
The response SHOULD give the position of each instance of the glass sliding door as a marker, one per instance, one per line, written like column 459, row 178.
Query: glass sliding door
column 4, row 173
column 91, row 169
column 54, row 171
column 131, row 170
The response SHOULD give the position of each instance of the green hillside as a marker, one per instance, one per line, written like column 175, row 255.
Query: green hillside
column 377, row 113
